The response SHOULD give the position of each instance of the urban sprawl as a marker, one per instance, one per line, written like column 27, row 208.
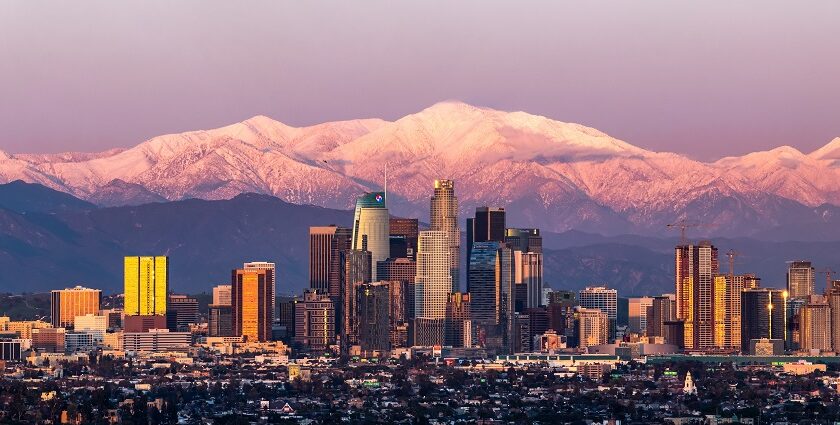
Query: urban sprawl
column 384, row 333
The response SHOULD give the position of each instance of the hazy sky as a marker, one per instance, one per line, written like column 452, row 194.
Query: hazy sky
column 707, row 79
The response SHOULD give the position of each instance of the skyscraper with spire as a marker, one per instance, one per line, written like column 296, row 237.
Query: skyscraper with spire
column 371, row 220
column 444, row 218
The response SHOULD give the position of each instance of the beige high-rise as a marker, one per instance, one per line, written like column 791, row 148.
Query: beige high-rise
column 444, row 218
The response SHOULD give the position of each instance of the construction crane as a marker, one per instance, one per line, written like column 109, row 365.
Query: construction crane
column 683, row 224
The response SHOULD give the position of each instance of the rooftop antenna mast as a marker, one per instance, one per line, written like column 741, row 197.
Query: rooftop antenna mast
column 386, row 184
column 732, row 254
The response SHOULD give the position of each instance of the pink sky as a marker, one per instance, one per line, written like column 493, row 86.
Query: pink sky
column 707, row 79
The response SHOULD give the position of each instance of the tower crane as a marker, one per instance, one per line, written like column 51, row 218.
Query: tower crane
column 684, row 224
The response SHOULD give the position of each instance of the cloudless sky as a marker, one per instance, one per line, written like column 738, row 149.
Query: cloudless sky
column 707, row 79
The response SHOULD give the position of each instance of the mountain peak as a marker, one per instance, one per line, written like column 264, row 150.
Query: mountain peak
column 831, row 151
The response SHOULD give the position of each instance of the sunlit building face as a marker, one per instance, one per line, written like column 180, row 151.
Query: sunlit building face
column 146, row 283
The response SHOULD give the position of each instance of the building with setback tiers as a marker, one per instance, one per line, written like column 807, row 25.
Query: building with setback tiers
column 444, row 218
column 488, row 225
column 315, row 321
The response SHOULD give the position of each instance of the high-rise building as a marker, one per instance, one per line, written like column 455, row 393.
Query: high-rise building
column 272, row 284
column 815, row 331
column 604, row 299
column 356, row 272
column 181, row 313
column 525, row 240
column 285, row 318
column 252, row 302
column 592, row 327
column 484, row 292
column 401, row 270
column 762, row 315
column 458, row 324
column 558, row 296
column 488, row 225
column 662, row 309
column 792, row 307
column 492, row 283
column 405, row 231
column 66, row 304
column 444, row 218
column 834, row 304
column 221, row 295
column 371, row 219
column 326, row 244
column 800, row 279
column 539, row 323
column 398, row 316
column 727, row 308
column 220, row 320
column 146, row 285
column 561, row 314
column 695, row 269
column 315, row 321
column 220, row 312
column 397, row 269
column 529, row 274
column 373, row 316
column 638, row 313
column 433, row 284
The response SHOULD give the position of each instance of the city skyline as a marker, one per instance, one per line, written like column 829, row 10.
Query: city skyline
column 483, row 211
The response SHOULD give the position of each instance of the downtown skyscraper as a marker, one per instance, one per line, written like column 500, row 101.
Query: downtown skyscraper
column 252, row 304
column 433, row 285
column 371, row 226
column 800, row 279
column 603, row 299
column 444, row 218
column 762, row 316
column 488, row 225
column 146, row 285
column 326, row 245
column 695, row 269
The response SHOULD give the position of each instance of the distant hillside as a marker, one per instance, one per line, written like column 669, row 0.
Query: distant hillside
column 29, row 197
column 58, row 242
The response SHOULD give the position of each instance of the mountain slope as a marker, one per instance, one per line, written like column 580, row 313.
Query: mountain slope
column 550, row 174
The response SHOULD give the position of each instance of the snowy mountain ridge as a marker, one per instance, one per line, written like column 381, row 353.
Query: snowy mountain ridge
column 548, row 173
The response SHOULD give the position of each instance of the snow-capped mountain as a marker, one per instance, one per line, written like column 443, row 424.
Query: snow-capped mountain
column 550, row 174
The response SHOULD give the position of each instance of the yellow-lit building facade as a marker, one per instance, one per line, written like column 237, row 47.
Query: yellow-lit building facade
column 146, row 284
